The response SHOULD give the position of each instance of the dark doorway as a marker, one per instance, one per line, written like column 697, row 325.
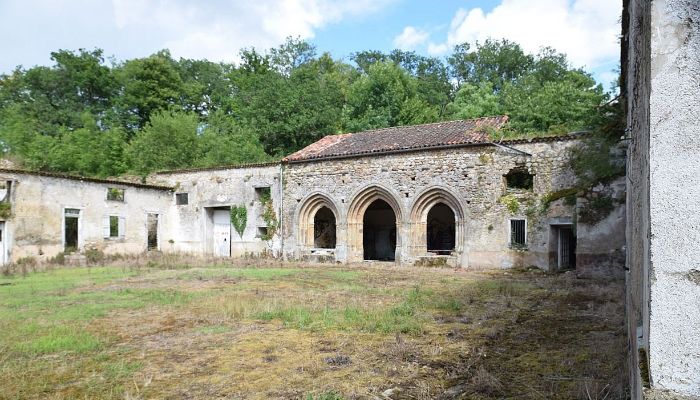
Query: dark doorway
column 70, row 230
column 440, row 235
column 379, row 232
column 324, row 229
column 152, row 232
column 566, row 247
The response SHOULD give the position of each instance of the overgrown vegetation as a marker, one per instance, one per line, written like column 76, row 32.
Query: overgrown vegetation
column 239, row 218
column 88, row 116
column 305, row 332
column 268, row 215
column 5, row 210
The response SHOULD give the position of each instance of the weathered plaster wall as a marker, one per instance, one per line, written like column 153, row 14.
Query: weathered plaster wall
column 38, row 202
column 211, row 188
column 472, row 175
column 674, row 196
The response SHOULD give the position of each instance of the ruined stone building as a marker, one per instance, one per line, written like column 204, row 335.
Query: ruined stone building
column 435, row 194
column 661, row 70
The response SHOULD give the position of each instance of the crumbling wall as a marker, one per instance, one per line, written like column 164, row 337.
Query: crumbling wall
column 474, row 175
column 212, row 188
column 600, row 231
column 35, row 228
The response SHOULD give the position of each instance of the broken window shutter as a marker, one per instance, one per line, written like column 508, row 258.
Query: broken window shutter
column 121, row 227
column 105, row 226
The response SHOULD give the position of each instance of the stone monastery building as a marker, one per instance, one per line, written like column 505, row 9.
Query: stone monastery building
column 435, row 194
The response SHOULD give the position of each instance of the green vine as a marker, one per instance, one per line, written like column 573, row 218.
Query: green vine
column 511, row 203
column 269, row 215
column 239, row 219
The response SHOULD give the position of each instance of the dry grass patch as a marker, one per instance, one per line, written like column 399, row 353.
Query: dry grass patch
column 188, row 330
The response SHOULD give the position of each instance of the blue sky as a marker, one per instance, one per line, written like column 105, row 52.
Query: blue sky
column 586, row 30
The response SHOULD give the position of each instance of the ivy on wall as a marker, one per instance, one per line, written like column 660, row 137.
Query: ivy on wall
column 270, row 218
column 239, row 219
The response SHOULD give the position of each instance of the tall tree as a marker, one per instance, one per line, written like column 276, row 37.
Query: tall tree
column 169, row 140
column 148, row 85
column 385, row 96
column 496, row 62
column 224, row 141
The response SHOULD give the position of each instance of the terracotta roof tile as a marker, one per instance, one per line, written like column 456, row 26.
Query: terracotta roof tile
column 450, row 133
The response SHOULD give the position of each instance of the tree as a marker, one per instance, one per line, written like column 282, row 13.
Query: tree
column 226, row 142
column 385, row 96
column 148, row 85
column 496, row 62
column 292, row 54
column 474, row 101
column 290, row 112
column 205, row 87
column 169, row 140
column 562, row 105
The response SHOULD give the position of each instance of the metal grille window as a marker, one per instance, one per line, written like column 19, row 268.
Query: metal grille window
column 518, row 233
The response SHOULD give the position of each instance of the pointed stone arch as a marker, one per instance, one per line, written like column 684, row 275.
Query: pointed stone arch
column 306, row 218
column 418, row 222
column 355, row 219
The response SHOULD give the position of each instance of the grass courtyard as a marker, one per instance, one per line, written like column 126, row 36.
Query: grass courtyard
column 179, row 330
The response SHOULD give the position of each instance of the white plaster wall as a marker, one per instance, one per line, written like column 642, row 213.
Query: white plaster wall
column 38, row 203
column 675, row 196
column 191, row 227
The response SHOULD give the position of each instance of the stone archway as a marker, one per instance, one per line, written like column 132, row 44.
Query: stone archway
column 441, row 230
column 441, row 205
column 385, row 211
column 325, row 229
column 317, row 208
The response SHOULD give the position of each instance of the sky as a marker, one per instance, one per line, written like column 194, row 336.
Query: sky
column 586, row 30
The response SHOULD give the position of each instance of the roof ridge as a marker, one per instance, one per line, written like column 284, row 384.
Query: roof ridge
column 388, row 128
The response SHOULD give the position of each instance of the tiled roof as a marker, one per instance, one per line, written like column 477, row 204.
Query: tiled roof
column 440, row 134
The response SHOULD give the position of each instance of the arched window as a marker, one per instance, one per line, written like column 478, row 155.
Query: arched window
column 440, row 235
column 324, row 229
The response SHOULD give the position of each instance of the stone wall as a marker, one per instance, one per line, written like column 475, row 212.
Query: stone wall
column 38, row 203
column 600, row 230
column 221, row 188
column 469, row 179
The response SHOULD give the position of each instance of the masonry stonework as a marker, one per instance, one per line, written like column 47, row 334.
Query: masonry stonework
column 470, row 179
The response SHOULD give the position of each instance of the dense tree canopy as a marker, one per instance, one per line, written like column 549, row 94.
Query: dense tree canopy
column 88, row 116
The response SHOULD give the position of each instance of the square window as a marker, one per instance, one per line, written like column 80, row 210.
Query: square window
column 181, row 199
column 115, row 194
column 519, row 179
column 263, row 194
column 113, row 226
column 518, row 233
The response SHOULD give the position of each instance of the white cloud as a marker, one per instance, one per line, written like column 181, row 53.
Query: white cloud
column 410, row 38
column 218, row 29
column 586, row 30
